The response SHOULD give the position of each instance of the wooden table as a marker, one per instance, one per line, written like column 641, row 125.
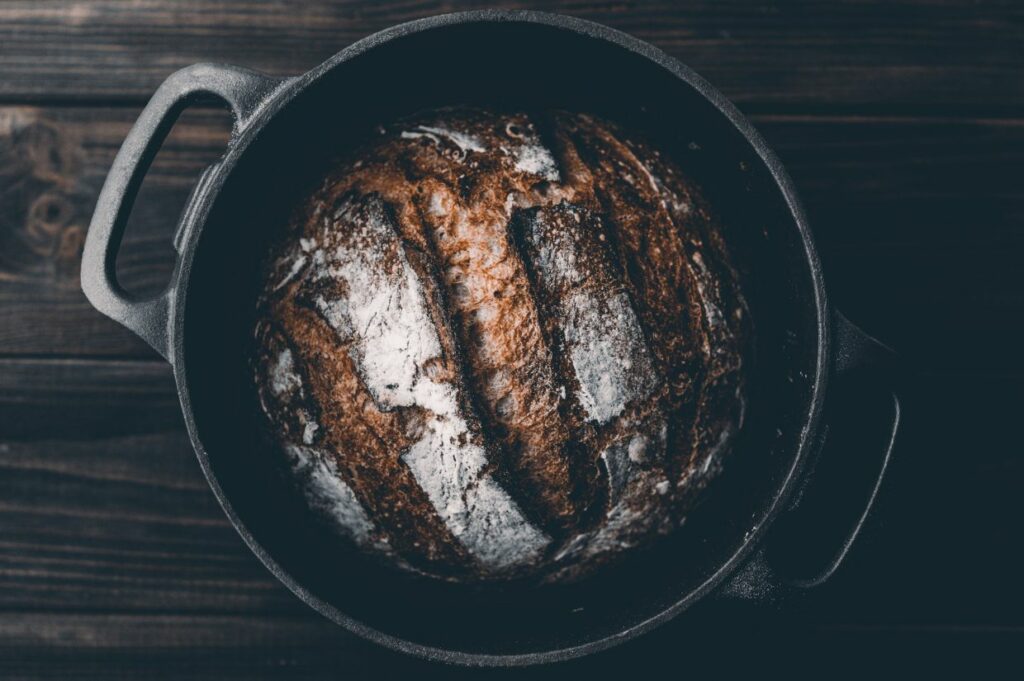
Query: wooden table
column 901, row 122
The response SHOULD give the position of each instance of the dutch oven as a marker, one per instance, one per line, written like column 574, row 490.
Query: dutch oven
column 285, row 133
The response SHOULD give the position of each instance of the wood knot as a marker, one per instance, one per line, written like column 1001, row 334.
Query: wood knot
column 41, row 190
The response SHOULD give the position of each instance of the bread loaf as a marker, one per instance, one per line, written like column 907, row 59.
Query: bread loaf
column 496, row 345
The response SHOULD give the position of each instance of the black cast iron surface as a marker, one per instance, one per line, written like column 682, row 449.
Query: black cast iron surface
column 115, row 560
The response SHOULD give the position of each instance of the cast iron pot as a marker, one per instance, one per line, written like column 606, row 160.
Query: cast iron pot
column 285, row 132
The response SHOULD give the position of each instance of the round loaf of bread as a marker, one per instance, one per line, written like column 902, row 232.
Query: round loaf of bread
column 502, row 345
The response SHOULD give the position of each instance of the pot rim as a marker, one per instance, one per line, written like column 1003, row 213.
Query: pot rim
column 293, row 88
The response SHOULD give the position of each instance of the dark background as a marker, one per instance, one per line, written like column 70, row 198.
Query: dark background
column 902, row 123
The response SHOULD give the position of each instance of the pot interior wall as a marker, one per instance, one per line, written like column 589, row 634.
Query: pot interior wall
column 516, row 66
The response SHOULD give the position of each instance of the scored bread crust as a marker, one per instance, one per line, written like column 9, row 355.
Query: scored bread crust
column 495, row 345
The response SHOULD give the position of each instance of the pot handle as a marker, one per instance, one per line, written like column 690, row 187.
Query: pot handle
column 245, row 92
column 862, row 413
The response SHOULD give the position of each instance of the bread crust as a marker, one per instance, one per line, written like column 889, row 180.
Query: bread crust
column 515, row 340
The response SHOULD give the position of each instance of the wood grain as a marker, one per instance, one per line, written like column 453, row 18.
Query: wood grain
column 80, row 399
column 52, row 164
column 891, row 55
column 160, row 646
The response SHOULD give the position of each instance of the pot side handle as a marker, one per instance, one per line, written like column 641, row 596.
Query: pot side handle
column 839, row 489
column 244, row 91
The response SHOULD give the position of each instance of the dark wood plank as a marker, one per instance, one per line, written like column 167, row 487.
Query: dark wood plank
column 102, row 503
column 888, row 55
column 52, row 165
column 153, row 646
column 122, row 537
column 83, row 400
column 918, row 221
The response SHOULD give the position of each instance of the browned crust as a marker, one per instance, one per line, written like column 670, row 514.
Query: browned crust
column 643, row 229
column 673, row 255
column 511, row 367
column 365, row 441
